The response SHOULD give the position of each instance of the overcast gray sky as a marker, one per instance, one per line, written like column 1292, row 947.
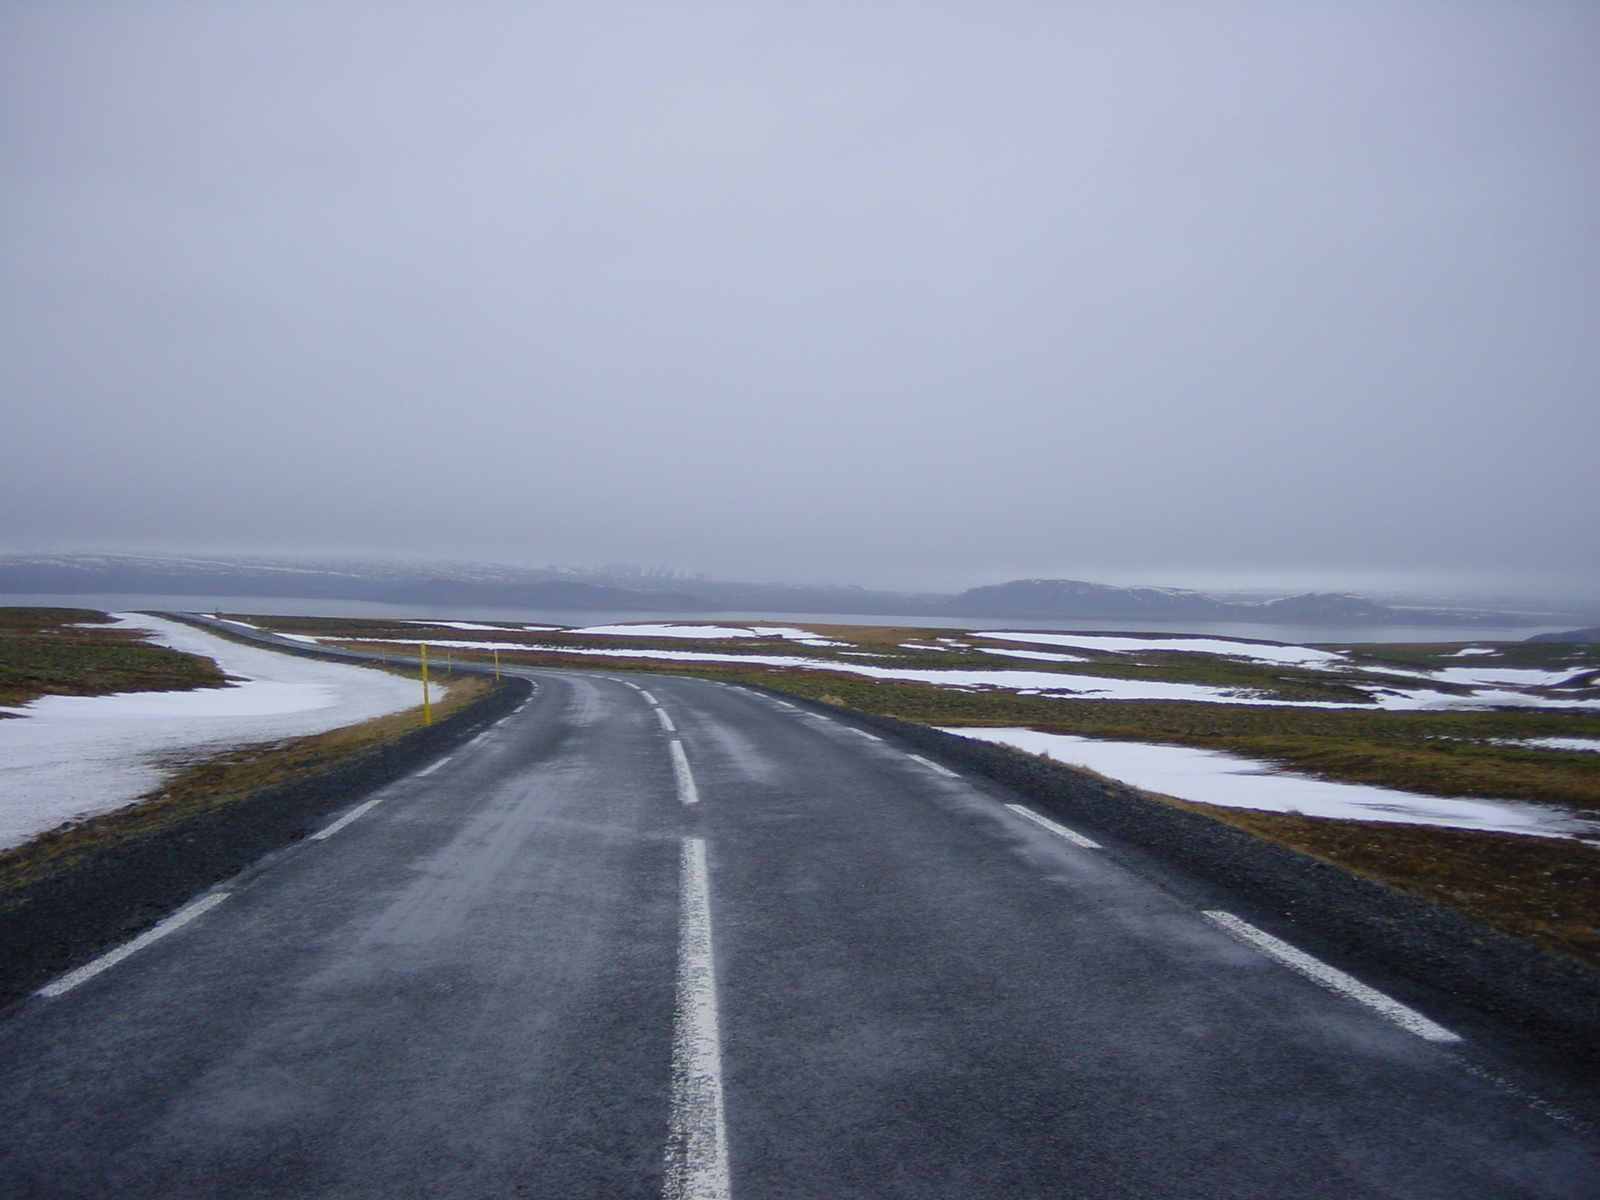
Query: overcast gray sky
column 908, row 294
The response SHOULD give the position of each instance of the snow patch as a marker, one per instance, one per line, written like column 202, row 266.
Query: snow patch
column 709, row 631
column 1214, row 777
column 1040, row 655
column 1588, row 745
column 469, row 626
column 1069, row 685
column 1299, row 656
column 668, row 631
column 71, row 757
column 1516, row 676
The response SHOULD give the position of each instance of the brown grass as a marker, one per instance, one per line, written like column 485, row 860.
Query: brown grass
column 47, row 652
column 1546, row 890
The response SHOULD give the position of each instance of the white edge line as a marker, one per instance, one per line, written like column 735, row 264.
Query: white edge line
column 666, row 721
column 697, row 1148
column 327, row 831
column 1076, row 838
column 871, row 737
column 687, row 792
column 112, row 957
column 1331, row 978
column 431, row 769
column 935, row 766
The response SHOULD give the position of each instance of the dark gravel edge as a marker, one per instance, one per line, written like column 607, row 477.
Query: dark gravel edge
column 1476, row 981
column 54, row 924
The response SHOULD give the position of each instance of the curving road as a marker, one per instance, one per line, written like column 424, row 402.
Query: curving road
column 683, row 939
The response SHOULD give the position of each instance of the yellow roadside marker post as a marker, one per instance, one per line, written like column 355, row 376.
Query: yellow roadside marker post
column 448, row 669
column 497, row 662
column 427, row 703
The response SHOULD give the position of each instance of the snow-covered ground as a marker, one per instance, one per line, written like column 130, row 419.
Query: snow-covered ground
column 1090, row 686
column 63, row 758
column 1386, row 685
column 1304, row 656
column 1292, row 656
column 717, row 632
column 1212, row 777
column 1070, row 686
column 1036, row 655
column 470, row 625
column 1585, row 745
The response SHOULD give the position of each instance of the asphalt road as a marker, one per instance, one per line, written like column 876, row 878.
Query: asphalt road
column 689, row 941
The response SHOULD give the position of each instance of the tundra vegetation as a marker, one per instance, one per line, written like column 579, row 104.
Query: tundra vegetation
column 1540, row 888
column 80, row 652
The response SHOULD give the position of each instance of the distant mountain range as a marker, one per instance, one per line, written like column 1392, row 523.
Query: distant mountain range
column 621, row 589
column 1036, row 598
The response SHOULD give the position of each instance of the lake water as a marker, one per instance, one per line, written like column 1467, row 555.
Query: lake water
column 277, row 606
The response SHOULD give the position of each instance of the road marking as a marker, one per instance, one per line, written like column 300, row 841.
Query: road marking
column 687, row 792
column 666, row 721
column 1332, row 978
column 697, row 1148
column 434, row 767
column 112, row 957
column 1077, row 839
column 871, row 737
column 935, row 766
column 647, row 695
column 327, row 831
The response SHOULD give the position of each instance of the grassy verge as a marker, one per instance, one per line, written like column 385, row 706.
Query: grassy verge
column 75, row 652
column 1544, row 890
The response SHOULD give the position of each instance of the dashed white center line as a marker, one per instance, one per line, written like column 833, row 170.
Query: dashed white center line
column 1331, row 978
column 666, row 721
column 931, row 765
column 647, row 695
column 687, row 792
column 1061, row 831
column 328, row 831
column 871, row 737
column 434, row 767
column 697, row 1148
column 112, row 957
